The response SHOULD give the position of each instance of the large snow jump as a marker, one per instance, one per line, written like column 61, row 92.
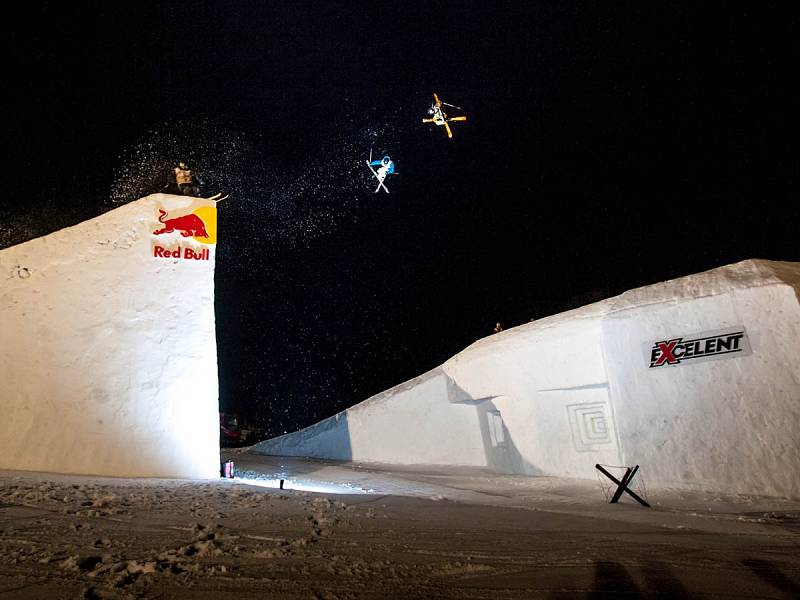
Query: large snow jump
column 108, row 347
column 695, row 379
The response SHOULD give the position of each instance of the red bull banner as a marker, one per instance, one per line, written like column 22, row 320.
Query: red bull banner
column 185, row 230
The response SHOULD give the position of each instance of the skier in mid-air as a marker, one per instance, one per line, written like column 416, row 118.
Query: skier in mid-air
column 384, row 167
column 439, row 117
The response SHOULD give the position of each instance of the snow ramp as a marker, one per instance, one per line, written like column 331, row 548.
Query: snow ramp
column 697, row 380
column 108, row 346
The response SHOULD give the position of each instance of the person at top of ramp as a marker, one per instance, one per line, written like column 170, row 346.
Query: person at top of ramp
column 184, row 180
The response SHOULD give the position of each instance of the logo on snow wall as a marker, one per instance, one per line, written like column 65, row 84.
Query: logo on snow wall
column 187, row 234
column 709, row 345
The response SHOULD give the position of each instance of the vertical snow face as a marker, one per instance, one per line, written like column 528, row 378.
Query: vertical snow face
column 543, row 383
column 725, row 414
column 697, row 380
column 108, row 346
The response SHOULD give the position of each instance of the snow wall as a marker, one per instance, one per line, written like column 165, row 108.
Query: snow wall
column 695, row 379
column 108, row 347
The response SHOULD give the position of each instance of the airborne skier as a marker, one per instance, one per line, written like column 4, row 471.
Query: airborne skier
column 384, row 167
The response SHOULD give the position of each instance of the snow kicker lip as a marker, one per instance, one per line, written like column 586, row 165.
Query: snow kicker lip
column 708, row 345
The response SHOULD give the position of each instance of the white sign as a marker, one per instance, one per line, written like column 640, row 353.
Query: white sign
column 698, row 347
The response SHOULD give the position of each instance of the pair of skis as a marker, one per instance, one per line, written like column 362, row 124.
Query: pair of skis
column 445, row 121
column 216, row 197
column 440, row 117
column 378, row 177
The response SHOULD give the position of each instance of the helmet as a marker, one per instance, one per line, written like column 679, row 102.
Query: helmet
column 386, row 160
column 182, row 165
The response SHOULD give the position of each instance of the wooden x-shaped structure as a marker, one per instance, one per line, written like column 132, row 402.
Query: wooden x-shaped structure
column 622, row 486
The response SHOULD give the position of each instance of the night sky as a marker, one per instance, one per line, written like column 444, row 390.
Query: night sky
column 607, row 147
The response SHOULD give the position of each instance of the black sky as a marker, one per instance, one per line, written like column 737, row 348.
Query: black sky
column 607, row 147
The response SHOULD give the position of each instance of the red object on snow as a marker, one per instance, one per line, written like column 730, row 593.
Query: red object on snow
column 189, row 225
column 229, row 429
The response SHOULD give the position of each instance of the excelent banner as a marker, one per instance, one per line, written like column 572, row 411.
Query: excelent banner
column 697, row 347
column 185, row 233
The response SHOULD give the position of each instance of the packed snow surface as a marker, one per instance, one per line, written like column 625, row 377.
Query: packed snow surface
column 461, row 533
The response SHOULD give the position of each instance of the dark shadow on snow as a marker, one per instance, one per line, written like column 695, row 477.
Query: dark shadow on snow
column 612, row 580
column 769, row 572
column 329, row 439
column 659, row 578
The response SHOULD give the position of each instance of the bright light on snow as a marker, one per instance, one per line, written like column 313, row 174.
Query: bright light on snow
column 305, row 486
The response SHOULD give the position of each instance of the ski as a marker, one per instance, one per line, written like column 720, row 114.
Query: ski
column 380, row 183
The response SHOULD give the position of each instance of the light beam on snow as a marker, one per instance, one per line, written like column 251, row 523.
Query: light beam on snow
column 304, row 486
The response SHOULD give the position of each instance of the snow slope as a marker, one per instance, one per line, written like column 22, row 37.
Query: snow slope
column 556, row 396
column 419, row 536
column 108, row 351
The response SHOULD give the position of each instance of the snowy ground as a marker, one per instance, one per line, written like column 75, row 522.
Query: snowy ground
column 393, row 534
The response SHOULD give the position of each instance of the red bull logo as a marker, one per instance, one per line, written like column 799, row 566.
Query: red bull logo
column 187, row 253
column 187, row 233
column 189, row 225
